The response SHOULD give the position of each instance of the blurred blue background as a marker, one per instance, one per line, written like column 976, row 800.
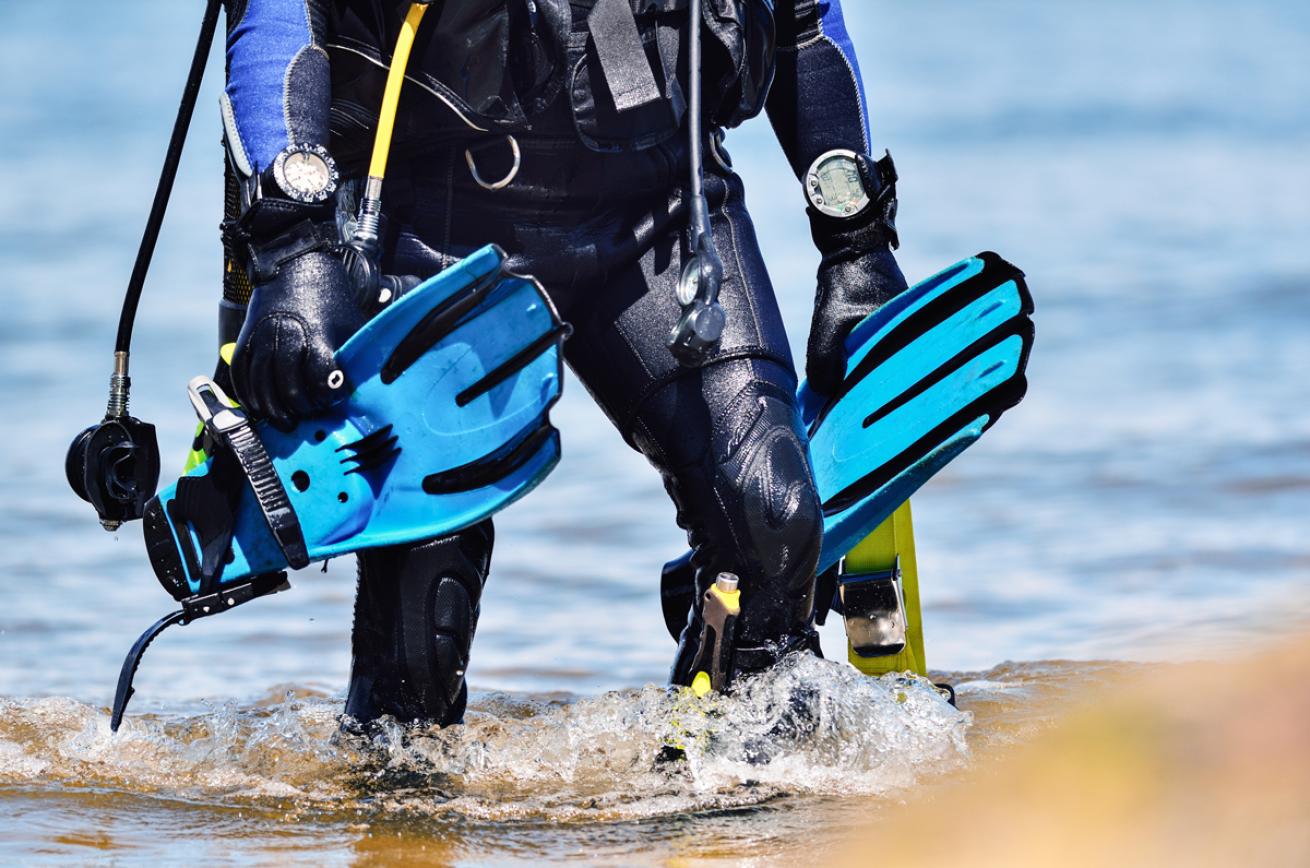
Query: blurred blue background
column 1146, row 164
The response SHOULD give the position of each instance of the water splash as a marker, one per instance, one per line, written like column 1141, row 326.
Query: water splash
column 811, row 727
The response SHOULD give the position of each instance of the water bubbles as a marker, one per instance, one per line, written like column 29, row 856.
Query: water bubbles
column 811, row 727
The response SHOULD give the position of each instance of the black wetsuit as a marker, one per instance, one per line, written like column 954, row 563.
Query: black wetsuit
column 606, row 233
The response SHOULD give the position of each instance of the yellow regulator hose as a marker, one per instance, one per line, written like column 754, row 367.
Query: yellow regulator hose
column 370, row 207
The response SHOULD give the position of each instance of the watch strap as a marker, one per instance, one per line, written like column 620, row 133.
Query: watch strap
column 880, row 177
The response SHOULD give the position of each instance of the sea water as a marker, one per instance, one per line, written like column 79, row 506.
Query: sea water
column 1144, row 163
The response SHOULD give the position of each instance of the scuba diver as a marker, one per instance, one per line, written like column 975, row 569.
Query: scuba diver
column 395, row 342
column 557, row 130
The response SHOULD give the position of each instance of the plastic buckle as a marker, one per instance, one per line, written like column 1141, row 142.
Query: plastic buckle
column 873, row 605
column 213, row 407
column 204, row 605
column 231, row 430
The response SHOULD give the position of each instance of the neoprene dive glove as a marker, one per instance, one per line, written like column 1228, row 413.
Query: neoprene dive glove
column 857, row 273
column 304, row 307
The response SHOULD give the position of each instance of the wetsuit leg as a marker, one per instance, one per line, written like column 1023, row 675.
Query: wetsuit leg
column 737, row 469
column 726, row 437
column 416, row 608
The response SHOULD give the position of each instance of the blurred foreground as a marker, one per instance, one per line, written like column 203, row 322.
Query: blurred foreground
column 1191, row 765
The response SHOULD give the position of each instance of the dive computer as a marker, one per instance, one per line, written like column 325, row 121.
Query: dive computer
column 834, row 186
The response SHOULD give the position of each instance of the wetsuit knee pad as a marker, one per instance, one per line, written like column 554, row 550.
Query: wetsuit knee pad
column 416, row 611
column 762, row 467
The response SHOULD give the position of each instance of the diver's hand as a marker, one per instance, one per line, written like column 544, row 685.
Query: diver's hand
column 295, row 323
column 857, row 275
column 849, row 290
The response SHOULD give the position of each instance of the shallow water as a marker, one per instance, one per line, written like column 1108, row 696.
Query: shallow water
column 527, row 776
column 1144, row 163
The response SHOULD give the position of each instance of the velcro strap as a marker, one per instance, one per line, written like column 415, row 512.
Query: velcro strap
column 267, row 259
column 622, row 56
column 886, row 198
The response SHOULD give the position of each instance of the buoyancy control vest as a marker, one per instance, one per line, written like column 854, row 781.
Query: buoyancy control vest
column 503, row 66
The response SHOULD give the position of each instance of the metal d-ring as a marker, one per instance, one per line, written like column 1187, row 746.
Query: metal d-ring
column 503, row 182
column 718, row 152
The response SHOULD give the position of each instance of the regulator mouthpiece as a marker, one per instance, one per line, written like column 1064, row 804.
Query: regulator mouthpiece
column 114, row 466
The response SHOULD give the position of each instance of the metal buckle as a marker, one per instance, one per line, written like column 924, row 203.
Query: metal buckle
column 873, row 605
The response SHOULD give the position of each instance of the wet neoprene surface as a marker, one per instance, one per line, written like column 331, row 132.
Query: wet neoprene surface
column 596, row 209
column 604, row 234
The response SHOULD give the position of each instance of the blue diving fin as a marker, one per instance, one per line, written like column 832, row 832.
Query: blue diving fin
column 926, row 374
column 446, row 422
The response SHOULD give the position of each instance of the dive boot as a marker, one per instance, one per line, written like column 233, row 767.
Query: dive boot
column 416, row 609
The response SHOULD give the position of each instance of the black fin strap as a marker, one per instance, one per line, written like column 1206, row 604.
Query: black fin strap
column 199, row 606
column 230, row 429
column 133, row 660
column 269, row 493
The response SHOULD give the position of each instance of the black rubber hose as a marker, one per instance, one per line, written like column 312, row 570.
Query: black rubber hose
column 166, row 177
column 700, row 218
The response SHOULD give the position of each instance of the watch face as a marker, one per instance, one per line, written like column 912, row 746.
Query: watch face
column 306, row 173
column 834, row 187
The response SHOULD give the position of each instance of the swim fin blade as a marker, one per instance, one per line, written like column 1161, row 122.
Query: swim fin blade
column 926, row 375
column 447, row 422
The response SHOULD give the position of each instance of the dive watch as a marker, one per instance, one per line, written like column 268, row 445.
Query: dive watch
column 306, row 173
column 833, row 184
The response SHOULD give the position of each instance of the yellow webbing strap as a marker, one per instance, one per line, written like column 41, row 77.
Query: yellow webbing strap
column 377, row 167
column 878, row 551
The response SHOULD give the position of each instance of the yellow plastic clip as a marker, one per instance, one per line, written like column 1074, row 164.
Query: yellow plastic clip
column 893, row 540
column 701, row 684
